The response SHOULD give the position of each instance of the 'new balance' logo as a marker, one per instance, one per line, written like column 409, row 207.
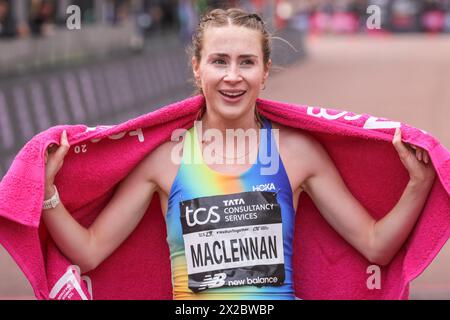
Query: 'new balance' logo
column 217, row 281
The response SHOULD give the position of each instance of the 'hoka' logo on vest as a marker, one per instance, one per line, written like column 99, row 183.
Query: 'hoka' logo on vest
column 264, row 187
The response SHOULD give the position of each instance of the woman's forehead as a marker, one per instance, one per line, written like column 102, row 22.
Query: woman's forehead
column 232, row 40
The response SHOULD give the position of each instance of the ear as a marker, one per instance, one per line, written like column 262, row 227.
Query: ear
column 267, row 69
column 196, row 68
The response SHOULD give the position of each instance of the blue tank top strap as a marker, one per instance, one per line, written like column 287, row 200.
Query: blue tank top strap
column 265, row 144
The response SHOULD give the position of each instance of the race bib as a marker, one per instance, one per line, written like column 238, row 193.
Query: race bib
column 233, row 240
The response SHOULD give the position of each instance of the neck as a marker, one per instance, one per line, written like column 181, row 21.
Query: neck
column 211, row 120
column 240, row 146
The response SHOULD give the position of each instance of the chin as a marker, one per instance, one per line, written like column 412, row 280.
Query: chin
column 233, row 112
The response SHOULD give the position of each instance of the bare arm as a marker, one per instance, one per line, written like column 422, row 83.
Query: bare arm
column 89, row 247
column 392, row 230
column 379, row 240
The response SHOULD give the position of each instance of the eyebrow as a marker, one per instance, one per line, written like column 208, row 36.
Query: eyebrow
column 240, row 56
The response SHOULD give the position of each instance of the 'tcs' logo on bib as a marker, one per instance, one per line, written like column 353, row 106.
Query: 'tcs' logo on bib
column 201, row 216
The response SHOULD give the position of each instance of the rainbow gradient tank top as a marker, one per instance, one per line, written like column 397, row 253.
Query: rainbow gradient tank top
column 231, row 236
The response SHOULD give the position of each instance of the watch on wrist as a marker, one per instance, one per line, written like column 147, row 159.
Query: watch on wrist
column 52, row 202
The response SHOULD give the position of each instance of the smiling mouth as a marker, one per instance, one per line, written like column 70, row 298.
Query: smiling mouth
column 232, row 94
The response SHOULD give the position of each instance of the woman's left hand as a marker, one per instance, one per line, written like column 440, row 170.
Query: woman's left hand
column 415, row 159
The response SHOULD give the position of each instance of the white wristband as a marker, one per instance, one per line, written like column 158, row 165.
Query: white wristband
column 52, row 202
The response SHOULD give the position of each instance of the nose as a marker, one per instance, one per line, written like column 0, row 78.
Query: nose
column 233, row 74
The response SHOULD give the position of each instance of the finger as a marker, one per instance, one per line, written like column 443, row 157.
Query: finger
column 398, row 144
column 63, row 147
column 419, row 154
column 64, row 138
column 426, row 157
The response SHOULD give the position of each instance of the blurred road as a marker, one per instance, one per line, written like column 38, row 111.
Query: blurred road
column 403, row 78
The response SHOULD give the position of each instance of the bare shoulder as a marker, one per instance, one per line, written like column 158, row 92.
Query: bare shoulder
column 162, row 152
column 156, row 160
column 159, row 164
column 297, row 141
column 300, row 152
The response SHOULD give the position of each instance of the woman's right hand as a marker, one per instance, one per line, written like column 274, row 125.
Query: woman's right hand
column 54, row 159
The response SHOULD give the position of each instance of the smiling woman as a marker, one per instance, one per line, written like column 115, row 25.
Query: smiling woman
column 231, row 71
column 203, row 203
column 239, row 53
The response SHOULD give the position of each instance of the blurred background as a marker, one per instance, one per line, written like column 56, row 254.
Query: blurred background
column 124, row 58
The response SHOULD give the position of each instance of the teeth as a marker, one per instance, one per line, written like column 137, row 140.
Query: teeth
column 235, row 94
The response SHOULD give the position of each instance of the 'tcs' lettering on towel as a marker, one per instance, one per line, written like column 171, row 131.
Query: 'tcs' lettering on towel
column 135, row 133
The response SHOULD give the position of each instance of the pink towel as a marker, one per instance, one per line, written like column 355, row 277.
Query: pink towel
column 325, row 265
